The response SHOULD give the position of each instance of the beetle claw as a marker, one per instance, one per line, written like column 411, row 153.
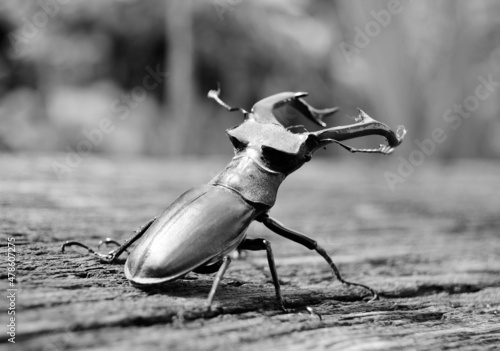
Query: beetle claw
column 76, row 243
column 103, row 257
column 212, row 312
column 313, row 313
column 373, row 298
column 310, row 310
column 284, row 309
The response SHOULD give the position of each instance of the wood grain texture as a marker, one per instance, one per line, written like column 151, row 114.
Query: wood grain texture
column 431, row 248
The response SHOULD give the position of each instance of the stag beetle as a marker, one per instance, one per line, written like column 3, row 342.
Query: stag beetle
column 199, row 230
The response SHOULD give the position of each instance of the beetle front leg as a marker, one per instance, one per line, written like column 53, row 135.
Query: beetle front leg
column 263, row 244
column 311, row 244
column 112, row 255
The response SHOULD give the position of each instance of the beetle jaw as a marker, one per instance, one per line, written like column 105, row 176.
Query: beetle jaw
column 300, row 94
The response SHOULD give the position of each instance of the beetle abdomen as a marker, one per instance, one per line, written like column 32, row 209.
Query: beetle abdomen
column 203, row 224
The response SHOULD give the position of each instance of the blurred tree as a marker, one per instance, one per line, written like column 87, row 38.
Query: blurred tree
column 71, row 61
column 180, row 83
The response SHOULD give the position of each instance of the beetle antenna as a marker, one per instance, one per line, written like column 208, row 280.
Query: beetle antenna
column 214, row 94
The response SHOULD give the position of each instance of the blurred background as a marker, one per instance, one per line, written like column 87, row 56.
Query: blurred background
column 131, row 77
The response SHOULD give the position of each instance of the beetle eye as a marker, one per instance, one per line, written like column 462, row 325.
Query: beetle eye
column 238, row 144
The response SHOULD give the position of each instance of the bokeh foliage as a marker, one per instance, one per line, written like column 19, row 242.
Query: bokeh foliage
column 65, row 74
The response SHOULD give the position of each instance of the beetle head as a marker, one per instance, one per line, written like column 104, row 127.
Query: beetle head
column 264, row 129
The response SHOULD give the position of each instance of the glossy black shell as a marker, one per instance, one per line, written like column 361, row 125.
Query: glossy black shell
column 201, row 226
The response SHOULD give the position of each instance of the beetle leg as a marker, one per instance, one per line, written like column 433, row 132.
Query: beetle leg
column 226, row 260
column 311, row 244
column 112, row 255
column 263, row 244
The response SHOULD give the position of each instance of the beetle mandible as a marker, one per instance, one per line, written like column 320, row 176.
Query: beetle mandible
column 199, row 230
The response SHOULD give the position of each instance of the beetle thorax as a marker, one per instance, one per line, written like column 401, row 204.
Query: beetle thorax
column 246, row 175
column 264, row 155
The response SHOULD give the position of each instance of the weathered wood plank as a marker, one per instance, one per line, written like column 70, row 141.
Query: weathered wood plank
column 432, row 249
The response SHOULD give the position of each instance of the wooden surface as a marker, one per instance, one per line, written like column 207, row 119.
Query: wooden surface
column 431, row 248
